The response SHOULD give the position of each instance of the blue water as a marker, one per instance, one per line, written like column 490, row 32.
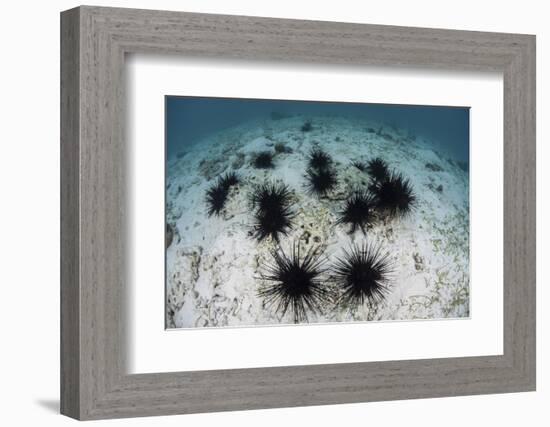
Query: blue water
column 188, row 119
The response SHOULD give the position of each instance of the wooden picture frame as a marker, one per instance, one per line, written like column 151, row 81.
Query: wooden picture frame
column 94, row 382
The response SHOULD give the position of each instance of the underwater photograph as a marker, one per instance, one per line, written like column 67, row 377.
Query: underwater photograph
column 283, row 212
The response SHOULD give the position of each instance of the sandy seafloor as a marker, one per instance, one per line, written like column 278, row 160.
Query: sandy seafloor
column 213, row 264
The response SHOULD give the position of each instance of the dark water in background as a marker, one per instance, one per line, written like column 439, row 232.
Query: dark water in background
column 188, row 119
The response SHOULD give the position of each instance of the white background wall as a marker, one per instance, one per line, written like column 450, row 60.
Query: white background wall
column 29, row 225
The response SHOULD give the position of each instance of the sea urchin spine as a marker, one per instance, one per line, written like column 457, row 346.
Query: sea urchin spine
column 377, row 169
column 229, row 179
column 263, row 160
column 320, row 182
column 272, row 204
column 395, row 195
column 268, row 194
column 358, row 211
column 362, row 276
column 294, row 283
column 216, row 195
column 319, row 159
column 359, row 165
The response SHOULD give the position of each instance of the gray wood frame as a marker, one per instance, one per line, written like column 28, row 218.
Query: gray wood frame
column 94, row 382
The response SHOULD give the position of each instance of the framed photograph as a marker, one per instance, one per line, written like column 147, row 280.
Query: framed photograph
column 309, row 212
column 262, row 213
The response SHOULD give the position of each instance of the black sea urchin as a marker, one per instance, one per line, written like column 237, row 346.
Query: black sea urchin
column 360, row 165
column 320, row 182
column 291, row 282
column 377, row 169
column 358, row 211
column 394, row 195
column 229, row 179
column 362, row 275
column 272, row 204
column 217, row 194
column 263, row 160
column 306, row 127
column 319, row 159
column 269, row 195
column 282, row 148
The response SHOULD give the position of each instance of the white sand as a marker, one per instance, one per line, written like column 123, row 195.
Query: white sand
column 213, row 265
